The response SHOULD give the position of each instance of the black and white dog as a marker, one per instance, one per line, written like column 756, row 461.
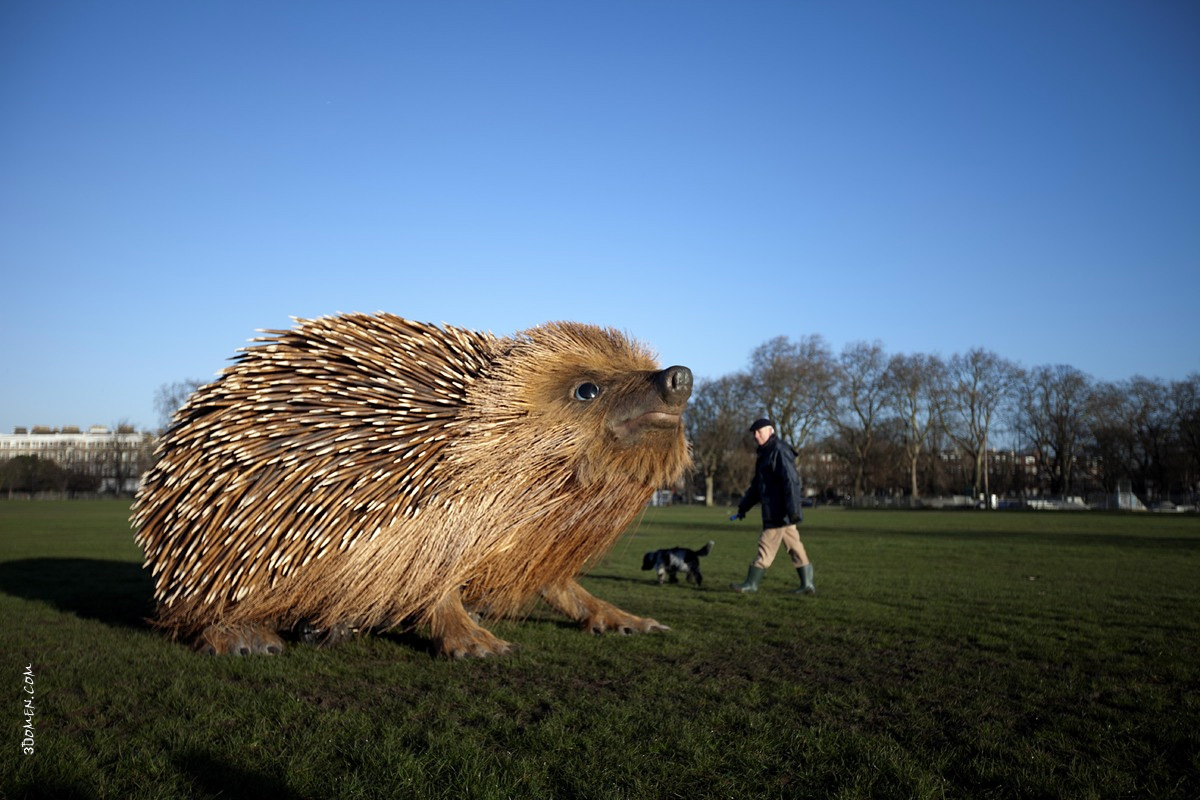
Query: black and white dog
column 670, row 561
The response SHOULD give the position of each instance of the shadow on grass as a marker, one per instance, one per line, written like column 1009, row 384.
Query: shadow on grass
column 601, row 576
column 222, row 779
column 116, row 593
column 681, row 581
column 408, row 639
column 51, row 789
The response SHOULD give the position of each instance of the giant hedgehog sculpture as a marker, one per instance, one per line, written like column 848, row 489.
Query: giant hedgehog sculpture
column 366, row 472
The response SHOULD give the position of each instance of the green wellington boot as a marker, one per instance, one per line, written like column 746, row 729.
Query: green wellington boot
column 751, row 583
column 806, row 580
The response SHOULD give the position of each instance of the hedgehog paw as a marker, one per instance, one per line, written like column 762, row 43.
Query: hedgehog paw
column 456, row 635
column 622, row 623
column 239, row 640
column 308, row 632
column 476, row 644
column 339, row 633
column 595, row 615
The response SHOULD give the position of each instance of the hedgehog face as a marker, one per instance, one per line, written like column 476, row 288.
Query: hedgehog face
column 648, row 404
column 621, row 404
column 615, row 421
column 580, row 398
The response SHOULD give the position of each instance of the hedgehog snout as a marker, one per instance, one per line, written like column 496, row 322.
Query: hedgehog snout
column 674, row 385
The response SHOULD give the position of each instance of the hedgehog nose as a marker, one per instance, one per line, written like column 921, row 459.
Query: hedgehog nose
column 674, row 384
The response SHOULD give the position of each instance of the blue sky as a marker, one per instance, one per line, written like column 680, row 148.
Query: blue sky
column 1019, row 176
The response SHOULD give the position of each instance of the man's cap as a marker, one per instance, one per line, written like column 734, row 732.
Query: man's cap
column 762, row 422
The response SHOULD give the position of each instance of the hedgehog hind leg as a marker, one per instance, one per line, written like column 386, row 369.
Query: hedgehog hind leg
column 593, row 614
column 239, row 640
column 456, row 635
column 309, row 631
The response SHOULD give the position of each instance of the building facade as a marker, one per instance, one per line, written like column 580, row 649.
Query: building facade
column 115, row 460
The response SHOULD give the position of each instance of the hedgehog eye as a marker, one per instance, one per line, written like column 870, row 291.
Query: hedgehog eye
column 587, row 391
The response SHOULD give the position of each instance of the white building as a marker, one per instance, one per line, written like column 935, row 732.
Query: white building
column 117, row 458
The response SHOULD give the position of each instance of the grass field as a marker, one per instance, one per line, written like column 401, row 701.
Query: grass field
column 955, row 654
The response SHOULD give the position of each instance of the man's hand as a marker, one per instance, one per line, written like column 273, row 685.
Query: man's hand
column 737, row 516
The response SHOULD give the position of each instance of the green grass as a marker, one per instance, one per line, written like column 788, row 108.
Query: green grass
column 956, row 654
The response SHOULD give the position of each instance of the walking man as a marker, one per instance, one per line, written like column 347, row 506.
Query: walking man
column 775, row 487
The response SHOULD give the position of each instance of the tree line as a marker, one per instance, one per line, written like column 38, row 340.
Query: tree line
column 868, row 423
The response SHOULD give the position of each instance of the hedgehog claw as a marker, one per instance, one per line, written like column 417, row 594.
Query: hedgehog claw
column 239, row 640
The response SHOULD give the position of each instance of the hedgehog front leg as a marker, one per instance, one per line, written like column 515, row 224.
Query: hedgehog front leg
column 594, row 614
column 456, row 635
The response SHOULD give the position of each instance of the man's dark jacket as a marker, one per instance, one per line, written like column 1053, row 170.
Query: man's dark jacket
column 776, row 485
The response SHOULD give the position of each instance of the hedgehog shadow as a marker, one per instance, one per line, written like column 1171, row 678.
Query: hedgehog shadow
column 219, row 777
column 121, row 594
column 116, row 593
column 402, row 636
column 601, row 576
column 650, row 581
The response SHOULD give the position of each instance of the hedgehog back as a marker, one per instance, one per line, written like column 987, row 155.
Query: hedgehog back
column 315, row 438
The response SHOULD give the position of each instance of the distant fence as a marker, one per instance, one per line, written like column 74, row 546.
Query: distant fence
column 27, row 496
column 889, row 501
column 1118, row 501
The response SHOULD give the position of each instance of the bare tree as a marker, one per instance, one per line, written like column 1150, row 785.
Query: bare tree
column 1051, row 413
column 1153, row 435
column 975, row 386
column 124, row 457
column 170, row 397
column 716, row 425
column 31, row 475
column 1185, row 404
column 789, row 381
column 911, row 388
column 1110, row 444
column 855, row 405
